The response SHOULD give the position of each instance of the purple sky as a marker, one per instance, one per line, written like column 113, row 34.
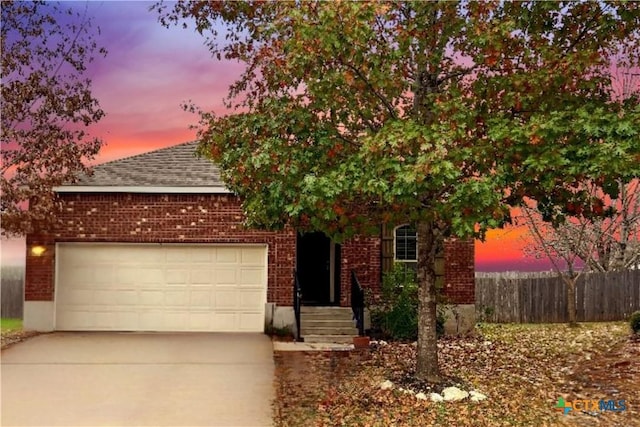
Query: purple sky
column 150, row 70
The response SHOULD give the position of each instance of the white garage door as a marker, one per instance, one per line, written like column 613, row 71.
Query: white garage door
column 126, row 287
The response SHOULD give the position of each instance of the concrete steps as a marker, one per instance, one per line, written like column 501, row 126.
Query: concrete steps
column 327, row 325
column 334, row 339
column 306, row 322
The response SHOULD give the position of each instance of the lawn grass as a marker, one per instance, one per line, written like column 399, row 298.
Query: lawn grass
column 10, row 325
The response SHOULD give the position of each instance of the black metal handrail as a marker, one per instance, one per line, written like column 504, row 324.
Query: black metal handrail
column 297, row 302
column 357, row 303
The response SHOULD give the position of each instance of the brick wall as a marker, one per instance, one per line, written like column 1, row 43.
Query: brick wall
column 176, row 218
column 39, row 272
column 361, row 254
column 194, row 218
column 157, row 218
column 459, row 265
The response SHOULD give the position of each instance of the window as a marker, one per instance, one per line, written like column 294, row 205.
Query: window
column 406, row 246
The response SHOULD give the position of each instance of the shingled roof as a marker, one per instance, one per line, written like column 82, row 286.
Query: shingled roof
column 175, row 167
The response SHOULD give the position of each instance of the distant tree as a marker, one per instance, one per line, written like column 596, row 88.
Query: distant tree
column 603, row 238
column 610, row 237
column 601, row 235
column 46, row 107
column 441, row 114
column 557, row 243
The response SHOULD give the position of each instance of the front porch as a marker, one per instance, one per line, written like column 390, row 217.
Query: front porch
column 328, row 309
column 327, row 325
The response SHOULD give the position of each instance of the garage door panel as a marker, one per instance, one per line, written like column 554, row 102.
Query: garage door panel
column 105, row 297
column 85, row 274
column 226, row 276
column 151, row 320
column 150, row 277
column 79, row 318
column 252, row 256
column 177, row 277
column 200, row 299
column 225, row 321
column 176, row 255
column 251, row 321
column 124, row 320
column 126, row 275
column 250, row 299
column 153, row 256
column 199, row 277
column 151, row 298
column 75, row 256
column 252, row 276
column 226, row 299
column 160, row 287
column 176, row 321
column 126, row 297
column 200, row 321
column 104, row 319
column 227, row 256
column 204, row 256
column 79, row 296
column 103, row 275
column 176, row 298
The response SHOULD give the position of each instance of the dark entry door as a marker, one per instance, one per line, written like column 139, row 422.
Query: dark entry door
column 314, row 267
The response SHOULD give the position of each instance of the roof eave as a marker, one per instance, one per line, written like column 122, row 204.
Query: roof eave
column 140, row 189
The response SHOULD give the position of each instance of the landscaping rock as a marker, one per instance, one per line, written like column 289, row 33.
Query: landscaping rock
column 454, row 394
column 435, row 397
column 421, row 396
column 476, row 396
column 386, row 385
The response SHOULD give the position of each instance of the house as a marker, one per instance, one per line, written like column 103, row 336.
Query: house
column 155, row 242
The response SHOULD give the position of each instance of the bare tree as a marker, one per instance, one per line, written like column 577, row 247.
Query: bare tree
column 602, row 236
column 552, row 243
column 47, row 106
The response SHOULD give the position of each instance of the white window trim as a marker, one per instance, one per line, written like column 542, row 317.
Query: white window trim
column 395, row 239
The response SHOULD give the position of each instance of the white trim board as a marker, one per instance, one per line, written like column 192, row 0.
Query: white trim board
column 140, row 189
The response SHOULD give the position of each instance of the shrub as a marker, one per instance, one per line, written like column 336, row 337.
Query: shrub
column 484, row 313
column 395, row 313
column 634, row 322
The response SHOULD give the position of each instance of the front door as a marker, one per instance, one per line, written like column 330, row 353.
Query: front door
column 316, row 260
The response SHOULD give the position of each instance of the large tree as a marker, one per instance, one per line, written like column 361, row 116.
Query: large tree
column 47, row 106
column 443, row 114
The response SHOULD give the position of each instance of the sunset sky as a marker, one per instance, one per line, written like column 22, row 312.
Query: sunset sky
column 150, row 70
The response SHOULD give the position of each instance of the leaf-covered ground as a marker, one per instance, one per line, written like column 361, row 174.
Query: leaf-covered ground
column 523, row 369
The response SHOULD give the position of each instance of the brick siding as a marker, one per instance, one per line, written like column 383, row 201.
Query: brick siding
column 197, row 218
column 459, row 273
column 171, row 218
column 362, row 255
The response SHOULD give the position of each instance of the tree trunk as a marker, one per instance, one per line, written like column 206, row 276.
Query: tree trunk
column 571, row 300
column 427, row 357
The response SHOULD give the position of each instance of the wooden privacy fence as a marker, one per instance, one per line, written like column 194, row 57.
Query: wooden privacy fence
column 11, row 292
column 542, row 297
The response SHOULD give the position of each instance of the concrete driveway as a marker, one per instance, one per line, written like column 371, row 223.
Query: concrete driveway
column 131, row 379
